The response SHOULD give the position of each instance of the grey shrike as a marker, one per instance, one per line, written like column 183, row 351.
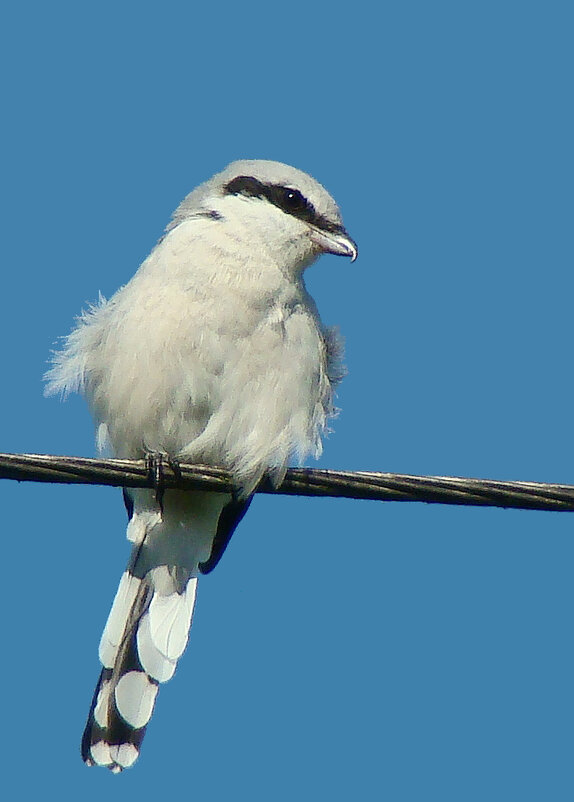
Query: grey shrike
column 213, row 353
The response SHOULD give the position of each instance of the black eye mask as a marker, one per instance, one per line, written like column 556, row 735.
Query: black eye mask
column 289, row 200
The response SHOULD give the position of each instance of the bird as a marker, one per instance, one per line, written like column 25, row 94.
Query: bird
column 213, row 353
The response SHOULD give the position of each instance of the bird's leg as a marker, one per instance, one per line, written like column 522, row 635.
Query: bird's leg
column 174, row 465
column 156, row 462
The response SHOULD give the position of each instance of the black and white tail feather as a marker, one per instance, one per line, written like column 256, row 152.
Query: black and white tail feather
column 148, row 625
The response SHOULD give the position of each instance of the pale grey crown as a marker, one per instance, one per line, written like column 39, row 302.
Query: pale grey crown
column 268, row 174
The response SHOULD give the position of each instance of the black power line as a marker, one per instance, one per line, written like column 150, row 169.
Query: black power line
column 298, row 481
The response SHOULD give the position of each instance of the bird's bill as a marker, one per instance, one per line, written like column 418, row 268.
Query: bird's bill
column 337, row 242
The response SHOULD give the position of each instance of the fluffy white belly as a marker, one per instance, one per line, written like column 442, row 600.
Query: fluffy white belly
column 246, row 389
column 226, row 365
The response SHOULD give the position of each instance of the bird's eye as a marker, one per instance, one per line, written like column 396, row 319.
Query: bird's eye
column 293, row 200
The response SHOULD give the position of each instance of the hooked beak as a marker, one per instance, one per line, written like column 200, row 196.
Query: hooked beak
column 337, row 242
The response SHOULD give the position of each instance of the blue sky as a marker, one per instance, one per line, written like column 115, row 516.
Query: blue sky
column 342, row 649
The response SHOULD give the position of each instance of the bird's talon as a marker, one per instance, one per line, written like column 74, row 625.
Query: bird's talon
column 155, row 466
column 174, row 465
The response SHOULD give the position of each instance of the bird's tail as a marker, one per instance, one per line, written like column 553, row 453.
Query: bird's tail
column 144, row 637
column 148, row 625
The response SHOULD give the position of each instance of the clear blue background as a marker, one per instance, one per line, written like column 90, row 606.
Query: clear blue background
column 342, row 650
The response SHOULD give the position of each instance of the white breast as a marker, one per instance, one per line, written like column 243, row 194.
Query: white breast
column 209, row 357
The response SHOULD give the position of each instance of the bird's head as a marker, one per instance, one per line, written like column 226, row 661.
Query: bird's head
column 274, row 206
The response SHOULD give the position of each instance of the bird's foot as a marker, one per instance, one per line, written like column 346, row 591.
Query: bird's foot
column 156, row 462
